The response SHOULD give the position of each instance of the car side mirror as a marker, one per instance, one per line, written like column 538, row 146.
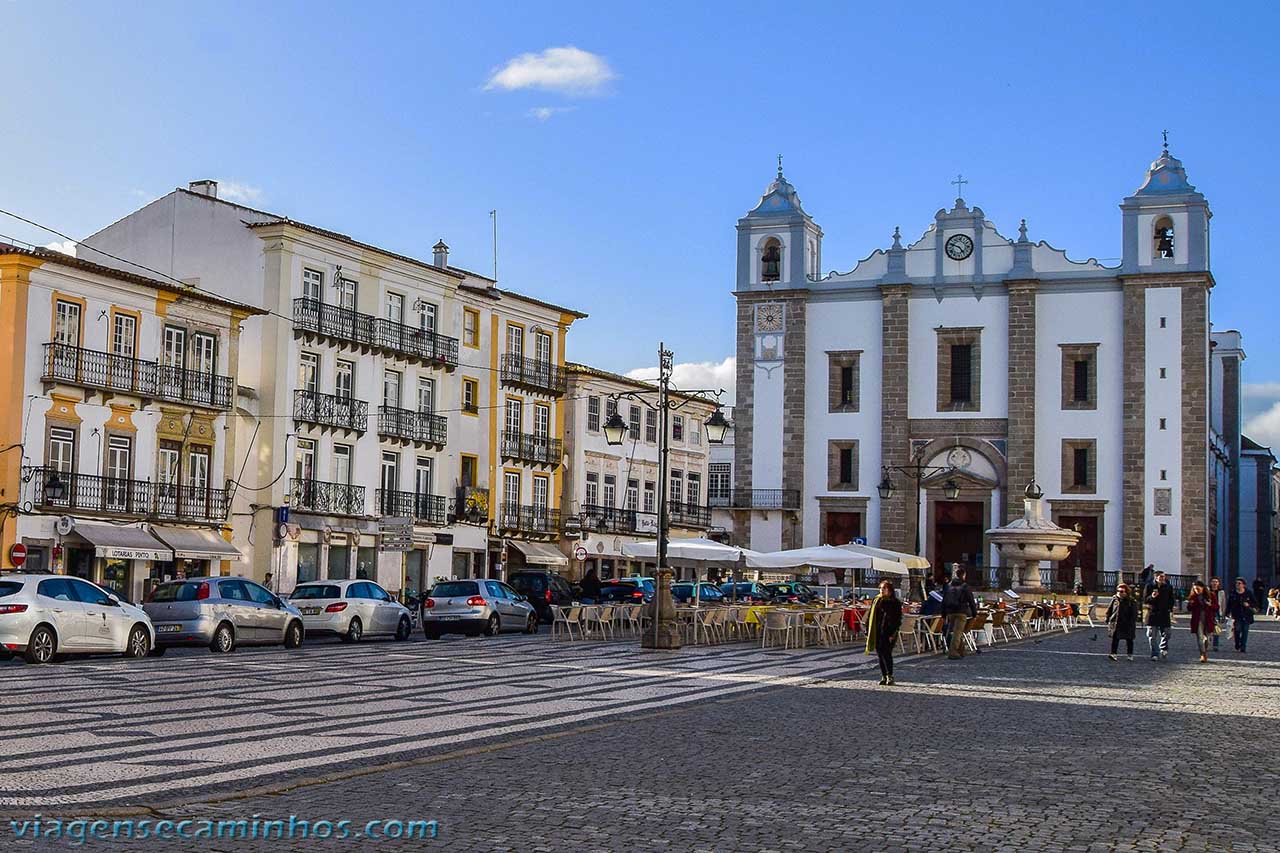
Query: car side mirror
column 278, row 602
column 110, row 601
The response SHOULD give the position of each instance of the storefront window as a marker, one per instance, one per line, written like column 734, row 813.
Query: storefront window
column 367, row 564
column 339, row 562
column 415, row 574
column 308, row 562
column 80, row 563
column 115, row 577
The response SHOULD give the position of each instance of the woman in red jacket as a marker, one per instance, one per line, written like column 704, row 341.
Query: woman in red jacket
column 1204, row 616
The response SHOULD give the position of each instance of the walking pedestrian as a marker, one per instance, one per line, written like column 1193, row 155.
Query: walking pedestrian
column 1220, row 597
column 958, row 607
column 883, row 622
column 1242, row 608
column 1204, row 616
column 590, row 587
column 1259, row 589
column 1122, row 620
column 1159, row 601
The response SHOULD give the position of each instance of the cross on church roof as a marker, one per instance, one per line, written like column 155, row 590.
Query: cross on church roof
column 779, row 165
column 959, row 183
column 1165, row 134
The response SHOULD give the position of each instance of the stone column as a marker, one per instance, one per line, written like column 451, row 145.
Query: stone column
column 793, row 387
column 895, row 529
column 1231, row 436
column 1022, row 393
column 1133, row 500
column 743, row 412
column 1195, row 429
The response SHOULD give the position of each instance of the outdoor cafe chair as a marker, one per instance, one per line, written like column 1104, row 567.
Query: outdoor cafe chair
column 972, row 628
column 743, row 627
column 935, row 633
column 1060, row 614
column 633, row 618
column 999, row 625
column 776, row 622
column 564, row 620
column 910, row 630
column 590, row 620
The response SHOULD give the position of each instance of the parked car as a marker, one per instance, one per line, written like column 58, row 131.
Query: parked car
column 708, row 593
column 46, row 615
column 749, row 591
column 622, row 592
column 473, row 607
column 543, row 589
column 792, row 592
column 648, row 585
column 221, row 613
column 351, row 609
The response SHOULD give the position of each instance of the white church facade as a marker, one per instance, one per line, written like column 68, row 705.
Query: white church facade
column 912, row 399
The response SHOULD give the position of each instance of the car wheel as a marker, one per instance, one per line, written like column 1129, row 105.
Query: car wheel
column 139, row 645
column 224, row 640
column 354, row 631
column 534, row 622
column 403, row 629
column 293, row 635
column 42, row 645
column 493, row 627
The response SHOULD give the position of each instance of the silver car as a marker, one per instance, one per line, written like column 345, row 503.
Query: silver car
column 474, row 607
column 351, row 609
column 45, row 615
column 221, row 613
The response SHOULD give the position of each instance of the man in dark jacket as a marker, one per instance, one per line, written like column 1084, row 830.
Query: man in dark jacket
column 958, row 607
column 1159, row 601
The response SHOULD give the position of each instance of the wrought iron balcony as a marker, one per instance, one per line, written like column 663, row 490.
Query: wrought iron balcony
column 330, row 410
column 755, row 498
column 319, row 496
column 424, row 509
column 408, row 425
column 534, row 374
column 688, row 514
column 122, row 374
column 538, row 449
column 538, row 520
column 311, row 316
column 607, row 519
column 68, row 492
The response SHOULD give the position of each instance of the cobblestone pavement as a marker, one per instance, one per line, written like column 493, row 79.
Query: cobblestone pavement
column 1038, row 746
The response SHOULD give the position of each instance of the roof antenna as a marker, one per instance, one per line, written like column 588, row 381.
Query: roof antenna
column 493, row 214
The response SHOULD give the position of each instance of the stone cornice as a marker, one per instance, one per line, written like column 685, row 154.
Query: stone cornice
column 1168, row 279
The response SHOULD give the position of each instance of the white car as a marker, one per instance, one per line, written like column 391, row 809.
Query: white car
column 351, row 609
column 42, row 616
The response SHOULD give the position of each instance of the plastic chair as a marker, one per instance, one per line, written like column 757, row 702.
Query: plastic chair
column 999, row 625
column 935, row 633
column 776, row 622
column 564, row 620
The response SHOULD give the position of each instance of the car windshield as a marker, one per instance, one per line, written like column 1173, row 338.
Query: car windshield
column 455, row 589
column 316, row 591
column 185, row 591
column 9, row 588
column 524, row 583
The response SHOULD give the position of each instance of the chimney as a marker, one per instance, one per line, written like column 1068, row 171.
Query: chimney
column 205, row 187
column 440, row 255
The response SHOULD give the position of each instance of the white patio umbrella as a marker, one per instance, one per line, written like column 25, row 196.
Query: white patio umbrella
column 911, row 561
column 694, row 553
column 824, row 557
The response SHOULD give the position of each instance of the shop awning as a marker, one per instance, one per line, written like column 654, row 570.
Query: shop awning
column 195, row 544
column 538, row 554
column 123, row 543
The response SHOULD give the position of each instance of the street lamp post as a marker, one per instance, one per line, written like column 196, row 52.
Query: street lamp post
column 666, row 634
column 918, row 471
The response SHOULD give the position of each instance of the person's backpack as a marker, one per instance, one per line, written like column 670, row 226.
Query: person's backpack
column 954, row 599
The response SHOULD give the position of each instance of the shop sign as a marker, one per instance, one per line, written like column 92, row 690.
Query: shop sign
column 113, row 552
column 396, row 534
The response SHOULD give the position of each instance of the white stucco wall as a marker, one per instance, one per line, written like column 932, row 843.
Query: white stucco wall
column 926, row 314
column 1164, row 446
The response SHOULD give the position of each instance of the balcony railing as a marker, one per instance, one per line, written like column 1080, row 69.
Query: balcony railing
column 532, row 373
column 106, row 371
column 530, row 519
column 67, row 492
column 344, row 324
column 607, row 519
column 330, row 410
column 755, row 498
column 424, row 509
column 539, row 449
column 689, row 514
column 319, row 496
column 409, row 425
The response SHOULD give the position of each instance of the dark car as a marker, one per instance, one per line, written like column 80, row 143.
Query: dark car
column 621, row 592
column 543, row 589
column 708, row 593
column 791, row 592
column 750, row 591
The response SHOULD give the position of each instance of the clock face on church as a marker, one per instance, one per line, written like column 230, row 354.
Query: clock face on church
column 959, row 247
column 769, row 318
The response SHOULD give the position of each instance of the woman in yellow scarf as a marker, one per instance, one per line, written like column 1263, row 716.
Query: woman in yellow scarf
column 883, row 623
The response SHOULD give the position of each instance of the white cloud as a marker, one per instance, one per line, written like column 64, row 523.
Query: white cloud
column 567, row 70
column 1265, row 427
column 66, row 247
column 235, row 191
column 692, row 375
column 544, row 113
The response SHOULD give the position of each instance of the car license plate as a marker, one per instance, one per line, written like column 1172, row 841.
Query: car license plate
column 309, row 611
column 447, row 617
column 168, row 629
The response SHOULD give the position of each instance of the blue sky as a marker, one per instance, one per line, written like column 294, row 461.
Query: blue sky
column 619, row 172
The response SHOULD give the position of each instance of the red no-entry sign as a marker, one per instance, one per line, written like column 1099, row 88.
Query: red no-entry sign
column 17, row 554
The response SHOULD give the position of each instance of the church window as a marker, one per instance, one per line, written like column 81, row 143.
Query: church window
column 771, row 261
column 1163, row 374
column 1163, row 237
column 959, row 369
column 1164, row 424
column 1164, row 530
column 842, row 466
column 961, row 373
column 1079, row 466
column 842, row 380
column 1079, row 376
column 1164, row 473
column 1081, row 391
column 1163, row 322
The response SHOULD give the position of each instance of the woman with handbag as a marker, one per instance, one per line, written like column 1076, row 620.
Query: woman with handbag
column 883, row 622
column 1241, row 608
column 1122, row 620
column 1204, row 616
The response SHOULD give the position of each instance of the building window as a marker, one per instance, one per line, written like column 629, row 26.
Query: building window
column 693, row 488
column 66, row 324
column 426, row 394
column 541, row 420
column 610, row 491
column 390, row 471
column 391, row 388
column 1163, row 238
column 470, row 470
column 677, row 486
column 1163, row 322
column 650, row 496
column 1079, row 466
column 632, row 501
column 843, row 377
column 515, row 414
column 426, row 315
column 695, row 432
column 342, row 464
column 1164, row 424
column 309, row 372
column 119, row 471
column 124, row 335
column 1164, row 530
column 677, row 428
column 510, row 493
column 541, row 493
column 313, row 285
column 1079, row 376
column 593, row 414
column 651, row 426
column 771, row 260
column 592, row 494
column 470, row 393
column 471, row 328
column 610, row 408
column 842, row 465
column 515, row 340
column 304, row 460
column 542, row 347
column 959, row 370
column 719, row 482
column 633, row 423
column 62, row 450
column 1164, row 473
column 395, row 308
column 1163, row 374
column 344, row 379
